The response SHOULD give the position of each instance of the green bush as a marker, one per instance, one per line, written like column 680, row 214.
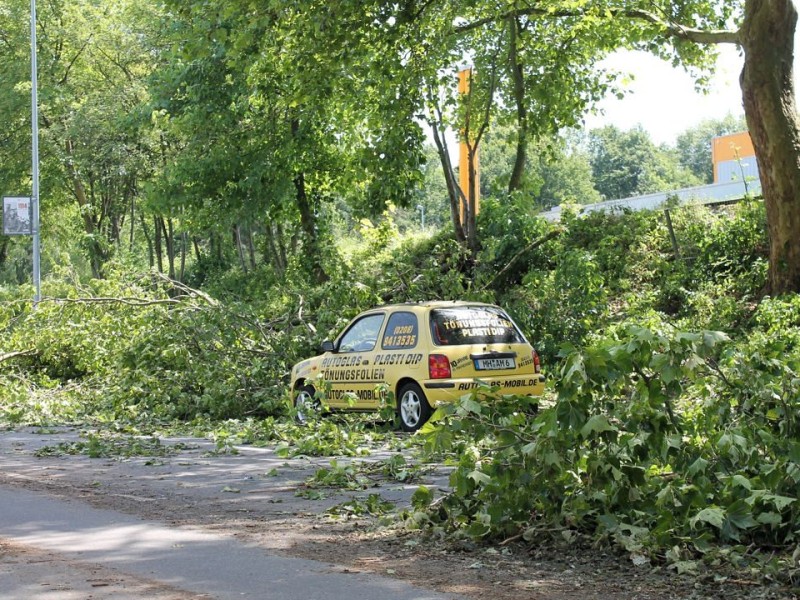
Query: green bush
column 618, row 241
column 657, row 442
column 149, row 347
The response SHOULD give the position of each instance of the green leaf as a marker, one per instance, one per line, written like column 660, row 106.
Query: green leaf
column 685, row 566
column 528, row 449
column 428, row 428
column 471, row 406
column 570, row 414
column 479, row 477
column 421, row 498
column 714, row 516
column 712, row 338
column 702, row 545
column 770, row 518
column 698, row 466
column 552, row 458
column 597, row 424
column 779, row 502
column 741, row 515
column 742, row 481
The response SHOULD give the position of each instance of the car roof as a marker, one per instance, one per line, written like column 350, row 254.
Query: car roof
column 430, row 304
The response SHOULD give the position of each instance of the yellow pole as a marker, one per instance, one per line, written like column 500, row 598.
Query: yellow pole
column 464, row 81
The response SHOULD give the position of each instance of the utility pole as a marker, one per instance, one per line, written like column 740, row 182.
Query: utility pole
column 35, row 160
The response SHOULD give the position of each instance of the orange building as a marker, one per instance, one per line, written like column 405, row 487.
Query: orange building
column 733, row 157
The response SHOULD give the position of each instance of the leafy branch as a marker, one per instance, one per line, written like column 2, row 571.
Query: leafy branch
column 700, row 36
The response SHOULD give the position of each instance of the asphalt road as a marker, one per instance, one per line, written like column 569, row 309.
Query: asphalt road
column 63, row 549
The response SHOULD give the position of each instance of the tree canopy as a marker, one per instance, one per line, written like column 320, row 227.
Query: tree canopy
column 191, row 124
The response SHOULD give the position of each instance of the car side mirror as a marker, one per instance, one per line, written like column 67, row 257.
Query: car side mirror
column 327, row 346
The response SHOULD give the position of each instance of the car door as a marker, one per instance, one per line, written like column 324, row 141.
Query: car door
column 399, row 353
column 350, row 370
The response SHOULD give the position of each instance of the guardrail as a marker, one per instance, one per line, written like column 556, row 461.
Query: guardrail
column 715, row 193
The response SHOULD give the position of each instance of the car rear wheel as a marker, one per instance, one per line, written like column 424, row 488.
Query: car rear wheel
column 306, row 404
column 412, row 407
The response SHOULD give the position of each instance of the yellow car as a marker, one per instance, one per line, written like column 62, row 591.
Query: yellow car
column 426, row 353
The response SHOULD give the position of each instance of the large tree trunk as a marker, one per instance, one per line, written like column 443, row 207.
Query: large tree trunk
column 473, row 243
column 150, row 251
column 158, row 222
column 454, row 192
column 251, row 248
column 767, row 37
column 281, row 243
column 169, row 238
column 96, row 254
column 237, row 239
column 518, row 77
column 133, row 213
column 308, row 222
column 308, row 219
column 182, row 273
column 198, row 256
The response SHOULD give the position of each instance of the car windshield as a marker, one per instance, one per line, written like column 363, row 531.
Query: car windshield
column 460, row 325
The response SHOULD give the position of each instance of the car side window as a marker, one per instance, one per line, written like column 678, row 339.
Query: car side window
column 362, row 335
column 402, row 331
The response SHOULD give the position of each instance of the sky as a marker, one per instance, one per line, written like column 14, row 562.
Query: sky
column 663, row 98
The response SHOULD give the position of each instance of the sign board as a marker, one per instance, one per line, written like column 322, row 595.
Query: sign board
column 17, row 215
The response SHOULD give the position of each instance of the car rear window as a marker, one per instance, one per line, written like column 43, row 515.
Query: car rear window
column 462, row 325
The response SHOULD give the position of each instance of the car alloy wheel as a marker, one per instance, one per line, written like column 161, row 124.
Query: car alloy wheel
column 413, row 407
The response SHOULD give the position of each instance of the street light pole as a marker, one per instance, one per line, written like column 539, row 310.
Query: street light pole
column 35, row 152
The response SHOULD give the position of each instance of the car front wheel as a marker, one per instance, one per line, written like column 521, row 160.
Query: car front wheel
column 412, row 407
column 306, row 404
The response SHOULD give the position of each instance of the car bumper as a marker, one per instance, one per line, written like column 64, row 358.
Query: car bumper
column 453, row 389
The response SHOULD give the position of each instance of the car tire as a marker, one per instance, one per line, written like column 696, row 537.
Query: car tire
column 412, row 407
column 305, row 404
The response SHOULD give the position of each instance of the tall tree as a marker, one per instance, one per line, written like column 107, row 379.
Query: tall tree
column 628, row 163
column 92, row 66
column 303, row 114
column 567, row 175
column 764, row 30
column 557, row 168
column 686, row 33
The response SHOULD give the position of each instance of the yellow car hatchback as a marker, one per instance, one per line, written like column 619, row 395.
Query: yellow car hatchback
column 426, row 353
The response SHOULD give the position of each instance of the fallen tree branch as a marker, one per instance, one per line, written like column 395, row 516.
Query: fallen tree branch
column 189, row 291
column 111, row 300
column 553, row 234
column 310, row 327
column 10, row 355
